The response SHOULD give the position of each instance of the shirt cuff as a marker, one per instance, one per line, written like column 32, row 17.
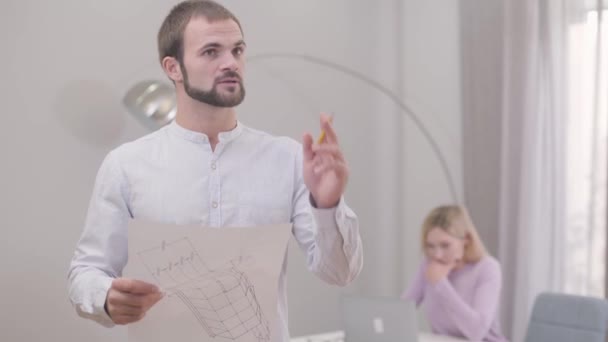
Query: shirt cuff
column 339, row 220
column 94, row 309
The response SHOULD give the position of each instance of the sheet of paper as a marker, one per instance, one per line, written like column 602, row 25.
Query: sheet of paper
column 220, row 284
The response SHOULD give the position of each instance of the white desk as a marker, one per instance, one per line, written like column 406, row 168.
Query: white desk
column 338, row 336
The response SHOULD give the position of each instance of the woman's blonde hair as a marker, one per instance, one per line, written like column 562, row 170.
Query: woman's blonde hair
column 455, row 220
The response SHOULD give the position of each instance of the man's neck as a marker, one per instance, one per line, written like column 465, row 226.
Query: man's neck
column 201, row 117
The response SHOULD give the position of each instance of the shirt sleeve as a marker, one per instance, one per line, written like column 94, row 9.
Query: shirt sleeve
column 415, row 292
column 329, row 237
column 101, row 252
column 474, row 320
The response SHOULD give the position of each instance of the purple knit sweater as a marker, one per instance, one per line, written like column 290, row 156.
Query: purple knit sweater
column 465, row 303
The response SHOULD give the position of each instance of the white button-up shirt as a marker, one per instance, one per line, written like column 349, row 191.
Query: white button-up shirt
column 173, row 176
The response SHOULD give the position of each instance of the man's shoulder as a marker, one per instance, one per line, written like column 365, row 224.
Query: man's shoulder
column 138, row 146
column 283, row 143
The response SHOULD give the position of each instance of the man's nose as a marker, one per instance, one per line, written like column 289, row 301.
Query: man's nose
column 229, row 62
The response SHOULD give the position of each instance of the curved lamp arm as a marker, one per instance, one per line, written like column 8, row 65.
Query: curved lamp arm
column 396, row 99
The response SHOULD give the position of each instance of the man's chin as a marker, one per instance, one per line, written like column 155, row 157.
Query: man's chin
column 221, row 102
column 232, row 99
column 231, row 102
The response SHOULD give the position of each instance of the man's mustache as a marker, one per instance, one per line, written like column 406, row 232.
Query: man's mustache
column 229, row 75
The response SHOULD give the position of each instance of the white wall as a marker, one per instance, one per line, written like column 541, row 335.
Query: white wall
column 66, row 64
column 482, row 51
column 431, row 77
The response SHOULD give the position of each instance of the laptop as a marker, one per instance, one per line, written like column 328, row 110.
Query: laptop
column 378, row 319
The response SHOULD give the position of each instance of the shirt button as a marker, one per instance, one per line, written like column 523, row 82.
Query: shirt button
column 214, row 204
column 213, row 167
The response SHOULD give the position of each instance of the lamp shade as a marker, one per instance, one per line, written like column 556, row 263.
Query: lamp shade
column 152, row 102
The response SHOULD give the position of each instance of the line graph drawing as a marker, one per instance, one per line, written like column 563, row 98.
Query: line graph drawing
column 222, row 300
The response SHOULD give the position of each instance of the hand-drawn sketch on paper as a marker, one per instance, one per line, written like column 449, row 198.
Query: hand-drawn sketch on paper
column 219, row 284
column 222, row 300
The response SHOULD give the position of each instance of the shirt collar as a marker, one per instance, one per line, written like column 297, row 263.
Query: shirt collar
column 201, row 138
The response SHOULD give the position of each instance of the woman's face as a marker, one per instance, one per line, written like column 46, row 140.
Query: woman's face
column 444, row 248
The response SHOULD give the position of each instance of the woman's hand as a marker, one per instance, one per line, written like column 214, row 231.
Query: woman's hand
column 436, row 271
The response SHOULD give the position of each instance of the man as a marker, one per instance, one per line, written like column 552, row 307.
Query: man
column 207, row 168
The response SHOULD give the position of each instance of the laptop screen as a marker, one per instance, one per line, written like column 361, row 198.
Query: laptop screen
column 378, row 319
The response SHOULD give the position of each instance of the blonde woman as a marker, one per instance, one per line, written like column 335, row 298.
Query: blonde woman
column 458, row 282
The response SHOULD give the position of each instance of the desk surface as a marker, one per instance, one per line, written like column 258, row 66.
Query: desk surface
column 338, row 336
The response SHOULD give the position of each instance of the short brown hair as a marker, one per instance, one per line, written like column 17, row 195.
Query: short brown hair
column 455, row 220
column 171, row 33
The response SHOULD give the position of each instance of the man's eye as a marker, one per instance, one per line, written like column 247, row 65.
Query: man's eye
column 210, row 52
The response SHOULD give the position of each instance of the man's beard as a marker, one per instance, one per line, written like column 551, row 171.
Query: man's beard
column 213, row 97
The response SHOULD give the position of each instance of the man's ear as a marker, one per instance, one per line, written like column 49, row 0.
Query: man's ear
column 172, row 69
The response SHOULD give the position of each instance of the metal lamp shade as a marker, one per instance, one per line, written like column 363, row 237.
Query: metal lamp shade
column 153, row 103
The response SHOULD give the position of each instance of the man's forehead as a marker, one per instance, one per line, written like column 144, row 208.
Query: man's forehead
column 201, row 31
